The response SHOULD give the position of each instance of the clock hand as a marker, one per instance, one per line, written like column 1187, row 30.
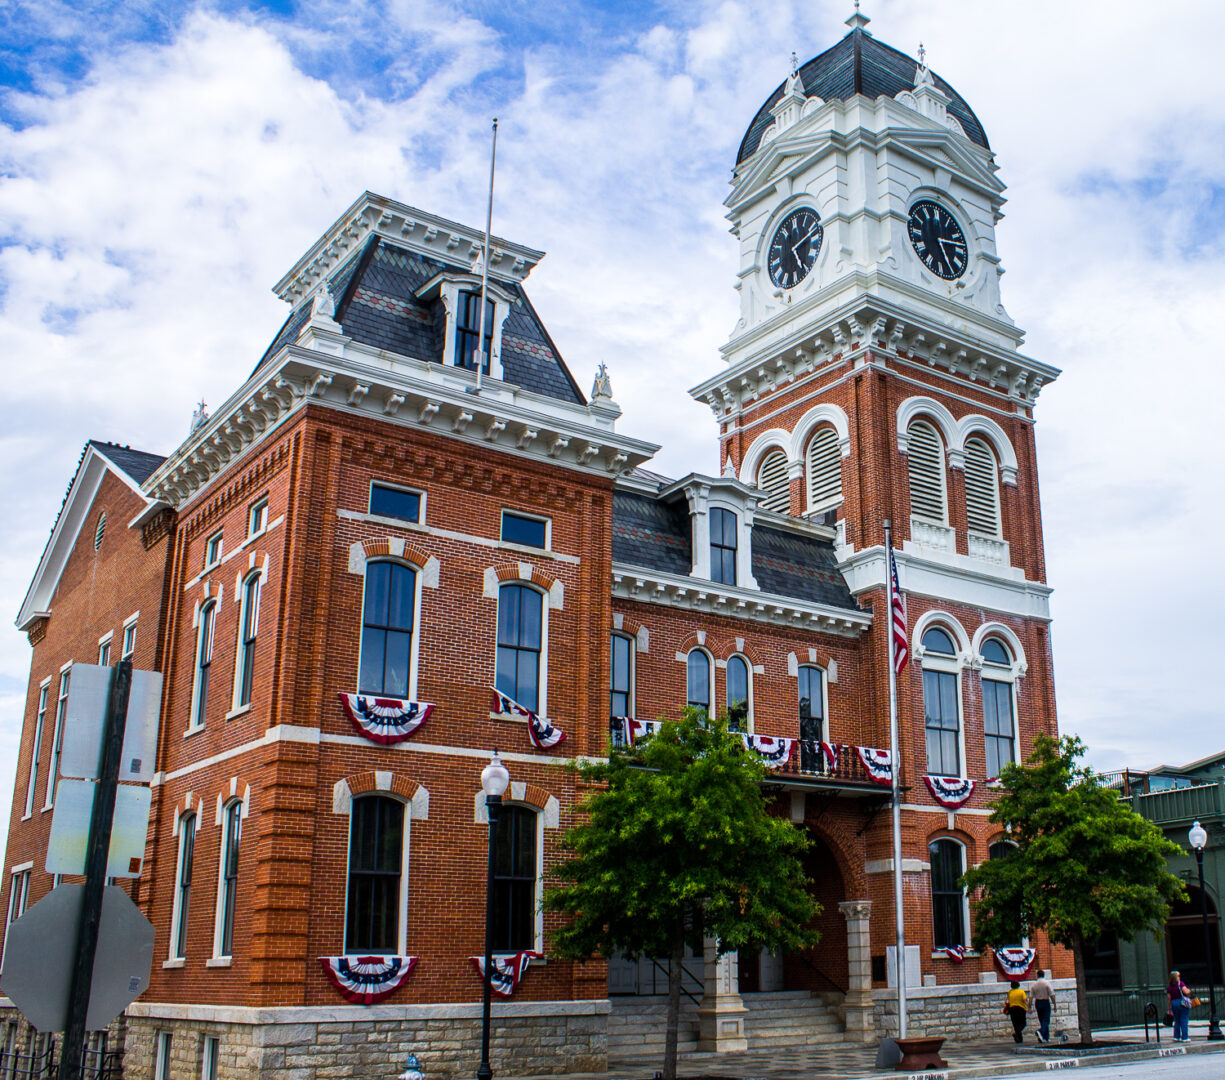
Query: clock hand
column 803, row 240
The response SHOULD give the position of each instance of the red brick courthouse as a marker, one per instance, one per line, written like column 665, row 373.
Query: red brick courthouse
column 338, row 564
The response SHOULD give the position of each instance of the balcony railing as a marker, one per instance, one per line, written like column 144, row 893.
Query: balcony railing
column 929, row 534
column 1203, row 803
column 989, row 549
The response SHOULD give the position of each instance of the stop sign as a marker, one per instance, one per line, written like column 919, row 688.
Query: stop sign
column 40, row 950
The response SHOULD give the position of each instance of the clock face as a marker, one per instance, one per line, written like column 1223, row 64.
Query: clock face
column 795, row 247
column 938, row 239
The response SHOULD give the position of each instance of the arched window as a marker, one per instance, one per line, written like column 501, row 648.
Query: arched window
column 1001, row 849
column 697, row 680
column 982, row 489
column 520, row 634
column 388, row 618
column 373, row 903
column 925, row 456
column 824, row 469
column 999, row 721
column 515, row 877
column 812, row 717
column 941, row 712
column 723, row 546
column 99, row 530
column 182, row 891
column 204, row 662
column 739, row 715
column 621, row 676
column 227, row 883
column 772, row 478
column 1184, row 937
column 948, row 899
column 248, row 628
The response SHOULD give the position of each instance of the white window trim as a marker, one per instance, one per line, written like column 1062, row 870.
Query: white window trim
column 406, row 489
column 748, row 664
column 543, row 674
column 40, row 718
column 843, row 445
column 218, row 919
column 824, row 695
column 259, row 504
column 53, row 766
column 538, row 885
column 213, row 604
column 162, row 1049
column 240, row 649
column 405, row 847
column 18, row 876
column 965, row 896
column 528, row 516
column 632, row 696
column 418, row 585
column 129, row 627
column 210, row 1049
column 954, row 664
column 448, row 286
column 176, row 913
column 710, row 675
column 219, row 536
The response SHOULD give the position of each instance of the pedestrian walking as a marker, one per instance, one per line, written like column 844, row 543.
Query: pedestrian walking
column 1180, row 1006
column 1017, row 1007
column 1042, row 1000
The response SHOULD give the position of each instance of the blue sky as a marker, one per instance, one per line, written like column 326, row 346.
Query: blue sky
column 162, row 164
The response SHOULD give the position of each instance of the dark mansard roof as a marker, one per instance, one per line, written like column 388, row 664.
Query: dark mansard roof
column 859, row 64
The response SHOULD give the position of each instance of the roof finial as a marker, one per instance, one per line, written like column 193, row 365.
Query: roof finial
column 857, row 21
column 795, row 62
column 922, row 55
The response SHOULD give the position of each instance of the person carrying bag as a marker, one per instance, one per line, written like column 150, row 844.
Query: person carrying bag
column 1180, row 1006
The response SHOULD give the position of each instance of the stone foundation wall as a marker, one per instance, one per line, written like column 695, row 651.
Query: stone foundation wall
column 972, row 1011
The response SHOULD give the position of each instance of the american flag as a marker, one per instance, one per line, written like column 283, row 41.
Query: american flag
column 901, row 651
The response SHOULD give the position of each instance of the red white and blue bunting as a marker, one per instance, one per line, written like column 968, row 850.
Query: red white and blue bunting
column 879, row 763
column 950, row 791
column 773, row 753
column 507, row 970
column 831, row 752
column 385, row 720
column 1015, row 963
column 367, row 980
column 543, row 734
column 956, row 953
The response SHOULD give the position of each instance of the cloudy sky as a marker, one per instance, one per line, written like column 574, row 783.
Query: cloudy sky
column 163, row 163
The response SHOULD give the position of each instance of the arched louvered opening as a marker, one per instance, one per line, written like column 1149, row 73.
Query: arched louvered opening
column 773, row 480
column 99, row 530
column 982, row 489
column 824, row 466
column 925, row 452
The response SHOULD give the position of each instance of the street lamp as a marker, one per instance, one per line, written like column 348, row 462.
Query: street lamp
column 494, row 781
column 1198, row 836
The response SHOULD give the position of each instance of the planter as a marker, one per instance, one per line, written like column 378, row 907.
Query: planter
column 919, row 1054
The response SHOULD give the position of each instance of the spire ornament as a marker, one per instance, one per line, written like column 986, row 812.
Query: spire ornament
column 858, row 21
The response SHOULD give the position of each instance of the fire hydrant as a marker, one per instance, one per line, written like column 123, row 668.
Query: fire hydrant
column 412, row 1069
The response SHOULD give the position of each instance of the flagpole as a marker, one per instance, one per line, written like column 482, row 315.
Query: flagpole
column 480, row 341
column 899, row 916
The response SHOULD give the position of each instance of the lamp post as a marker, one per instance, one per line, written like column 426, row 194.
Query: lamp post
column 1198, row 836
column 494, row 781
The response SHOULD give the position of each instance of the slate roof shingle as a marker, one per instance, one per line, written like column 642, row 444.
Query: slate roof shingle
column 136, row 463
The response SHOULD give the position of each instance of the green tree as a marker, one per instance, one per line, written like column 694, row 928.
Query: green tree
column 1085, row 863
column 677, row 844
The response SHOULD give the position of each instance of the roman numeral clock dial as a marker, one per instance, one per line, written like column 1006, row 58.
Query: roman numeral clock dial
column 938, row 239
column 794, row 249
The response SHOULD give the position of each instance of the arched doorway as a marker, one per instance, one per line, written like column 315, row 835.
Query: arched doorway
column 1184, row 939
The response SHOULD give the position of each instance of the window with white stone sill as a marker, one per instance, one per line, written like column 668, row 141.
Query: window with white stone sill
column 377, row 890
column 738, row 677
column 182, row 891
column 227, row 880
column 621, row 675
column 698, row 668
column 205, row 630
column 36, row 748
column 950, row 913
column 57, row 738
column 248, row 630
column 942, row 703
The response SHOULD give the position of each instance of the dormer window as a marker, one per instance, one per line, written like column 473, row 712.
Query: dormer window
column 468, row 330
column 723, row 546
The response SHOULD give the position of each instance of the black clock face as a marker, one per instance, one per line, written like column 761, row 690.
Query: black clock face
column 938, row 239
column 795, row 247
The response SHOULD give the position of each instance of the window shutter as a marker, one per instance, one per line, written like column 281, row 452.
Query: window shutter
column 772, row 479
column 824, row 469
column 926, row 457
column 982, row 489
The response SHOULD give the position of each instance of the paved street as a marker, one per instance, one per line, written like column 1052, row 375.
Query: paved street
column 1190, row 1067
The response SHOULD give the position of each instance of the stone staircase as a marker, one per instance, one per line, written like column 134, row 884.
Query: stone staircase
column 789, row 1018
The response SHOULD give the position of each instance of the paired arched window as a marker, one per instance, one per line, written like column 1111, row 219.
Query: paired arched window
column 204, row 662
column 739, row 700
column 520, row 641
column 515, row 877
column 947, row 859
column 388, row 619
column 621, row 676
column 823, row 467
column 697, row 680
column 925, row 459
column 999, row 716
column 182, row 888
column 227, row 884
column 773, row 479
column 374, row 902
column 941, row 701
column 248, row 628
column 982, row 488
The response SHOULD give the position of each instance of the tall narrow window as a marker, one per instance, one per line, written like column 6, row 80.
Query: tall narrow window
column 57, row 739
column 982, row 489
column 1001, row 849
column 520, row 633
column 36, row 749
column 468, row 330
column 231, row 838
column 772, row 478
column 998, row 720
column 388, row 617
column 948, row 900
column 697, row 680
column 940, row 710
column 514, row 880
column 621, row 681
column 248, row 629
column 104, row 652
column 182, row 892
column 738, row 694
column 376, row 852
column 925, row 459
column 161, row 1068
column 204, row 662
column 824, row 468
column 208, row 1057
column 257, row 521
column 723, row 546
column 129, row 640
column 19, row 897
column 212, row 550
column 812, row 716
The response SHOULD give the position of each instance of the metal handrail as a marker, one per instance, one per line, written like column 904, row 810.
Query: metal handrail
column 821, row 974
column 684, row 971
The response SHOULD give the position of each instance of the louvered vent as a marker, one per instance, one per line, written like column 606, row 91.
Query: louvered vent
column 824, row 469
column 982, row 489
column 100, row 530
column 772, row 479
column 926, row 455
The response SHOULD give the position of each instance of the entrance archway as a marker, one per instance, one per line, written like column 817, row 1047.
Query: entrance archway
column 1184, row 939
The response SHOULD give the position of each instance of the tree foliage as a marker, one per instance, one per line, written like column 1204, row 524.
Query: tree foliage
column 1085, row 864
column 677, row 845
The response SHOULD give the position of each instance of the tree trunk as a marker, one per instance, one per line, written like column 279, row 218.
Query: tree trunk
column 674, row 1004
column 1082, row 997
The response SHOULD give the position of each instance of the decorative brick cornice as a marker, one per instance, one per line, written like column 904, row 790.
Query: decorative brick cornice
column 37, row 630
column 157, row 528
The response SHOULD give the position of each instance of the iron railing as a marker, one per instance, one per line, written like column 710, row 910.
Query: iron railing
column 38, row 1059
